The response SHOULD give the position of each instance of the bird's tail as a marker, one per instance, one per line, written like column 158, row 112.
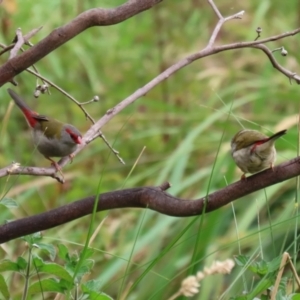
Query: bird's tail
column 277, row 135
column 29, row 114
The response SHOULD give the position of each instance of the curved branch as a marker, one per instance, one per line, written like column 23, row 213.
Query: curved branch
column 87, row 19
column 154, row 198
column 276, row 65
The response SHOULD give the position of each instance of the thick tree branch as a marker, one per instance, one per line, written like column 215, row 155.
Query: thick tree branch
column 90, row 18
column 154, row 198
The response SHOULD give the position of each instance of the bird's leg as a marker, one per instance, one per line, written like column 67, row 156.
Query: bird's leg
column 56, row 166
column 243, row 177
column 72, row 155
column 272, row 167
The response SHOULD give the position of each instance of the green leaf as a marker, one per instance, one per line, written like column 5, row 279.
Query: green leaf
column 4, row 288
column 49, row 248
column 22, row 263
column 280, row 295
column 259, row 268
column 283, row 284
column 91, row 285
column 295, row 297
column 274, row 264
column 66, row 285
column 98, row 296
column 8, row 265
column 33, row 238
column 84, row 269
column 242, row 260
column 63, row 252
column 87, row 253
column 37, row 261
column 56, row 270
column 261, row 286
column 9, row 203
column 46, row 285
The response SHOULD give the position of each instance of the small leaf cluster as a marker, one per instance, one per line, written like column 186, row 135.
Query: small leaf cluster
column 46, row 276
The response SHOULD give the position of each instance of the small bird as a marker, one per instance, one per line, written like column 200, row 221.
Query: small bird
column 253, row 151
column 51, row 137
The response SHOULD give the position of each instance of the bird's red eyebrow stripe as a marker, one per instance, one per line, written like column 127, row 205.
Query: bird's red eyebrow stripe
column 77, row 139
column 257, row 143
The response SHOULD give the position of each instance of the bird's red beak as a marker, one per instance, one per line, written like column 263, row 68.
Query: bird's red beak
column 79, row 140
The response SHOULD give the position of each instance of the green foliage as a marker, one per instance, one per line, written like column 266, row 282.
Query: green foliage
column 43, row 276
column 185, row 123
column 266, row 271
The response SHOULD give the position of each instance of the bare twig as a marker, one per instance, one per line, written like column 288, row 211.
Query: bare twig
column 30, row 34
column 6, row 48
column 215, row 9
column 285, row 259
column 294, row 271
column 21, row 40
column 283, row 263
column 18, row 45
column 276, row 65
column 220, row 24
column 14, row 169
column 87, row 115
column 95, row 99
column 258, row 31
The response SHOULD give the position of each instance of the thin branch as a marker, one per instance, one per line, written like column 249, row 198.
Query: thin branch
column 6, row 48
column 276, row 65
column 215, row 9
column 16, row 169
column 20, row 42
column 30, row 34
column 154, row 198
column 87, row 115
column 294, row 271
column 285, row 257
column 80, row 105
column 61, row 35
column 220, row 24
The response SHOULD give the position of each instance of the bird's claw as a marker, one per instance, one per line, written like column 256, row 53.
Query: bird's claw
column 243, row 177
column 56, row 167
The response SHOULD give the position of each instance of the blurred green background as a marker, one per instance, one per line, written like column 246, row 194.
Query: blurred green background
column 186, row 124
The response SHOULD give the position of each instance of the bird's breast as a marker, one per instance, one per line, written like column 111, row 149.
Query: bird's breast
column 52, row 147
